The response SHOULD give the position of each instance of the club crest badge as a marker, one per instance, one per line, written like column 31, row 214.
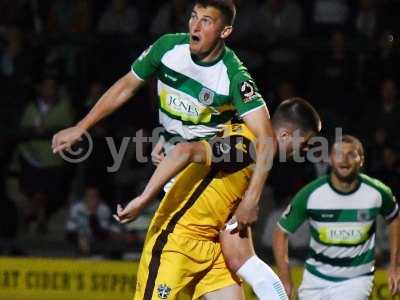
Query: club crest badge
column 206, row 96
column 163, row 291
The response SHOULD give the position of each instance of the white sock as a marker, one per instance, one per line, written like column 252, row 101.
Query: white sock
column 265, row 283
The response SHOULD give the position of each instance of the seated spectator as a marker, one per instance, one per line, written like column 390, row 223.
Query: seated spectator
column 44, row 176
column 89, row 221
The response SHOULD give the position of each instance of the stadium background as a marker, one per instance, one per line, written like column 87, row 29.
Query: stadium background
column 57, row 57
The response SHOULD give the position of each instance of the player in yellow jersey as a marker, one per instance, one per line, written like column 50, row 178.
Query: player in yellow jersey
column 182, row 248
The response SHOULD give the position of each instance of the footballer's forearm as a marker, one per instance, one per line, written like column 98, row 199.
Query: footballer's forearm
column 180, row 156
column 260, row 173
column 261, row 126
column 280, row 248
column 117, row 95
column 394, row 233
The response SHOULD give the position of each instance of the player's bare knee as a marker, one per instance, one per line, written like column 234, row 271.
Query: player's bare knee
column 234, row 261
column 183, row 150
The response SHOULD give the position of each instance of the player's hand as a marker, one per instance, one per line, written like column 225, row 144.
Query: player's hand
column 66, row 138
column 246, row 213
column 130, row 212
column 157, row 155
column 394, row 280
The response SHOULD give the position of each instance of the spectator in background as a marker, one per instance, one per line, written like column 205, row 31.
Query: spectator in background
column 17, row 13
column 245, row 38
column 387, row 167
column 280, row 23
column 16, row 67
column 385, row 113
column 66, row 16
column 43, row 178
column 380, row 61
column 120, row 34
column 8, row 210
column 69, row 18
column 89, row 221
column 120, row 18
column 15, row 58
column 328, row 15
column 333, row 81
column 366, row 20
column 171, row 16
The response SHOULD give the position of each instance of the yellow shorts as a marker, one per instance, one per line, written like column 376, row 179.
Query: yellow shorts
column 182, row 266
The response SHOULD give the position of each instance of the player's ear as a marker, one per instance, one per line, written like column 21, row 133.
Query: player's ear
column 285, row 134
column 226, row 32
column 362, row 161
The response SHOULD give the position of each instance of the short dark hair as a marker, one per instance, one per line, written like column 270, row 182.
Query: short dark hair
column 351, row 139
column 226, row 7
column 299, row 113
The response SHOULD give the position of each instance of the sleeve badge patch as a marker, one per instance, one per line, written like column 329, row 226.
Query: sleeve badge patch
column 248, row 91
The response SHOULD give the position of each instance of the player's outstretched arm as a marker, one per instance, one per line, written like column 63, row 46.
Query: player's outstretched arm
column 181, row 156
column 260, row 125
column 281, row 253
column 117, row 95
column 394, row 266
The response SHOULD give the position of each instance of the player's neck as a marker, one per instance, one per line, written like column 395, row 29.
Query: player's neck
column 213, row 54
column 344, row 186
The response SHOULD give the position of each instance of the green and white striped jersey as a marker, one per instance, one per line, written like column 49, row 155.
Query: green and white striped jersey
column 342, row 225
column 196, row 98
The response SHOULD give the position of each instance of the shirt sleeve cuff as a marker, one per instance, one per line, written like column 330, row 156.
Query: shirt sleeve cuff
column 283, row 228
column 136, row 75
column 252, row 110
column 390, row 217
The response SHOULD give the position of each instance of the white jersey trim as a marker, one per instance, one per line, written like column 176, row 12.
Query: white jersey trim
column 283, row 229
column 393, row 213
column 136, row 75
column 254, row 109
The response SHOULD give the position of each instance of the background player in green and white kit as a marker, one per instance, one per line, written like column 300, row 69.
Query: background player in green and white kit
column 201, row 84
column 341, row 210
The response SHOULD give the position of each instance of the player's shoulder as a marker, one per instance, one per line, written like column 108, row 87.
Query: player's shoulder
column 171, row 39
column 314, row 185
column 375, row 184
column 234, row 65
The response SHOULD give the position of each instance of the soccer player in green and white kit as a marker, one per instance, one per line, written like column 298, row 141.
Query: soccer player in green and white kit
column 201, row 85
column 341, row 210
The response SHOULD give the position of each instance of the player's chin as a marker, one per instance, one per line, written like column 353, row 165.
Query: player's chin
column 195, row 49
column 347, row 176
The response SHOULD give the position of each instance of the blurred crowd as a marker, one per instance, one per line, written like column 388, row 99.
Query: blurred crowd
column 57, row 57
